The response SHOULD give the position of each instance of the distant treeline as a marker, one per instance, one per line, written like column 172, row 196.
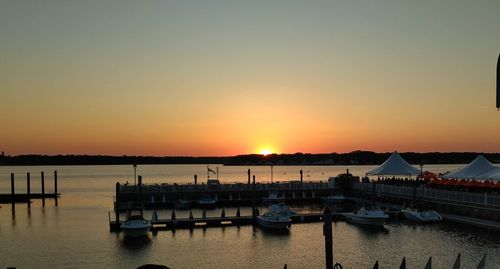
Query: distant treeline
column 352, row 158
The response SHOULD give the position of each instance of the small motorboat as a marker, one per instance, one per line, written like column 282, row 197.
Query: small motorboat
column 273, row 198
column 333, row 198
column 182, row 204
column 135, row 225
column 276, row 218
column 367, row 215
column 207, row 202
column 422, row 216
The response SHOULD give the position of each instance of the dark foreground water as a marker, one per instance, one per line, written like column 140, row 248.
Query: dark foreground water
column 75, row 234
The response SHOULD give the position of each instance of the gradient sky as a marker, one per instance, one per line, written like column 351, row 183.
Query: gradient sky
column 226, row 77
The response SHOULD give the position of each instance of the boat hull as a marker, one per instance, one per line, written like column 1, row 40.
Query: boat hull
column 372, row 221
column 136, row 228
column 423, row 217
column 274, row 225
column 135, row 232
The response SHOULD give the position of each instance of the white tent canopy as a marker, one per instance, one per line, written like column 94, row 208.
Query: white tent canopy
column 480, row 168
column 395, row 165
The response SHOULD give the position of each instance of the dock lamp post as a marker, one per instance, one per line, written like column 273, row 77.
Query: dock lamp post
column 135, row 174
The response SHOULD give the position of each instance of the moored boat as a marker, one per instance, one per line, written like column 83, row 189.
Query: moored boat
column 333, row 198
column 273, row 198
column 207, row 202
column 276, row 218
column 368, row 216
column 182, row 204
column 423, row 216
column 135, row 225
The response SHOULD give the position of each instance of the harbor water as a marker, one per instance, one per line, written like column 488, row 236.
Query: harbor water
column 75, row 234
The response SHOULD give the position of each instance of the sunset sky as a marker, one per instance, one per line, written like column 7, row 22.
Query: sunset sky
column 227, row 77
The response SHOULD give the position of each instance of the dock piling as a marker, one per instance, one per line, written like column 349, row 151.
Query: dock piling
column 12, row 192
column 117, row 204
column 238, row 214
column 28, row 189
column 195, row 179
column 190, row 214
column 223, row 213
column 173, row 214
column 248, row 172
column 327, row 232
column 43, row 189
column 253, row 197
column 55, row 185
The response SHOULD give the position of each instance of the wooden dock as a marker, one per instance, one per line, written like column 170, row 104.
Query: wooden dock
column 14, row 197
column 25, row 198
column 226, row 194
column 192, row 223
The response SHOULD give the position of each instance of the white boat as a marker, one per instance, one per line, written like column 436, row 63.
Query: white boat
column 273, row 198
column 368, row 216
column 423, row 216
column 276, row 218
column 182, row 204
column 333, row 198
column 207, row 202
column 135, row 225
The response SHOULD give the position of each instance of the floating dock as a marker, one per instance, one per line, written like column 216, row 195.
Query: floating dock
column 191, row 223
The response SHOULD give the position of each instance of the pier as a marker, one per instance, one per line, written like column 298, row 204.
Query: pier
column 482, row 206
column 225, row 194
column 222, row 221
column 13, row 197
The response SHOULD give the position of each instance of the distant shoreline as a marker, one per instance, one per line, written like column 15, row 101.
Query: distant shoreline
column 352, row 158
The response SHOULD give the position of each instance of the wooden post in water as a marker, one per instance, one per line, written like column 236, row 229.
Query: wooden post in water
column 301, row 176
column 28, row 189
column 195, row 179
column 43, row 189
column 117, row 204
column 327, row 232
column 248, row 172
column 139, row 182
column 12, row 193
column 55, row 185
column 253, row 198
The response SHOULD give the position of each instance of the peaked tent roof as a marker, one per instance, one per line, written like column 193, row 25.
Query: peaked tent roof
column 395, row 165
column 480, row 168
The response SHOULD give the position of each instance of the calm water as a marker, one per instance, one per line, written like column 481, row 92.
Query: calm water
column 75, row 234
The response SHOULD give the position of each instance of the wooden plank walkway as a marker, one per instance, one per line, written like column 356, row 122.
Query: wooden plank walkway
column 191, row 223
column 23, row 197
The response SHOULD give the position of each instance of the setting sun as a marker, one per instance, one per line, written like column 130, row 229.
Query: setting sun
column 265, row 152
